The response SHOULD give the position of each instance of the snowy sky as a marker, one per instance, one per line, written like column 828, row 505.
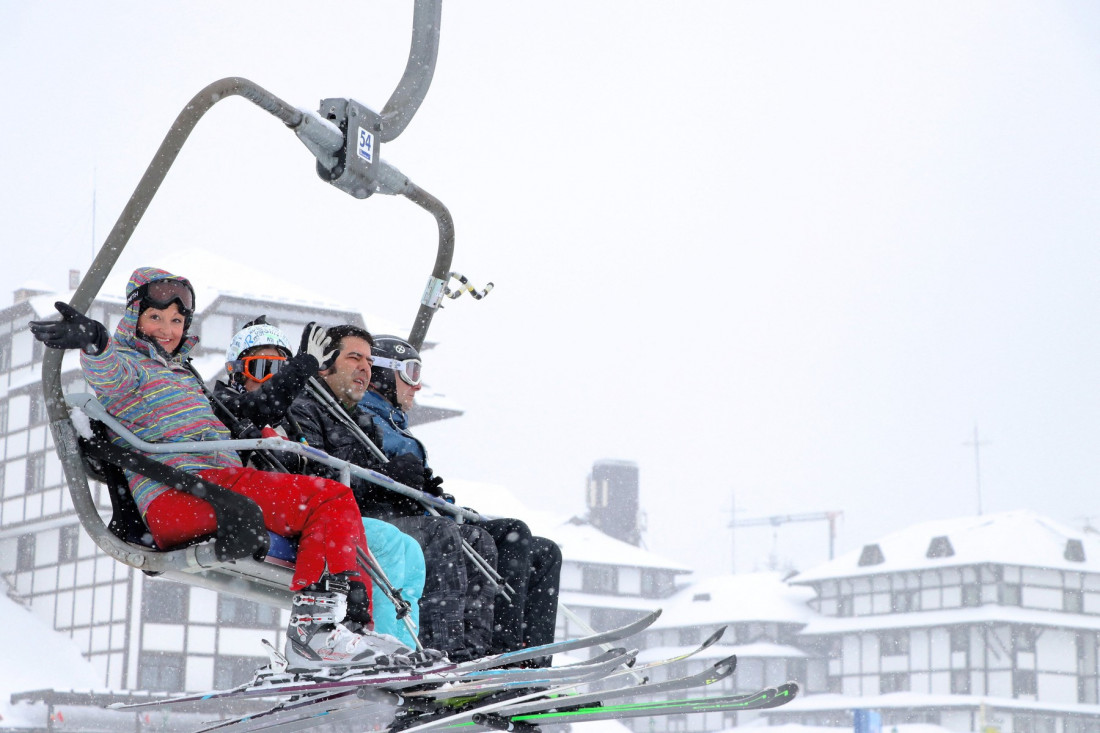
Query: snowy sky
column 792, row 252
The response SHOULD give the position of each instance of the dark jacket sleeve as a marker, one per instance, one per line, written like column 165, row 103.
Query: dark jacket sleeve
column 322, row 430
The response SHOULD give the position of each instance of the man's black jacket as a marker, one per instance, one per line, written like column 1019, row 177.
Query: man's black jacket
column 321, row 429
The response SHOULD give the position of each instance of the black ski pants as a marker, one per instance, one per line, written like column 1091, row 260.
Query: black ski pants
column 532, row 566
column 456, row 608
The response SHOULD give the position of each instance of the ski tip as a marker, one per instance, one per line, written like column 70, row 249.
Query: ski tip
column 788, row 689
column 713, row 638
column 726, row 666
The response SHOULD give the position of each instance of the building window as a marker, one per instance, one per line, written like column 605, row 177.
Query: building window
column 895, row 642
column 1023, row 682
column 960, row 682
column 232, row 671
column 960, row 639
column 24, row 559
column 656, row 584
column 239, row 612
column 1023, row 639
column 844, row 606
column 5, row 352
column 600, row 579
column 905, row 601
column 70, row 540
column 1073, row 601
column 3, row 417
column 689, row 635
column 164, row 602
column 36, row 473
column 972, row 594
column 1009, row 594
column 160, row 671
column 893, row 682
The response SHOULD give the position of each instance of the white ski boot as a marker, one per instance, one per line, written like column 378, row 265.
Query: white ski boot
column 316, row 638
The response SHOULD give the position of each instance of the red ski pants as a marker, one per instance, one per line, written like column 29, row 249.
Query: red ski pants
column 321, row 513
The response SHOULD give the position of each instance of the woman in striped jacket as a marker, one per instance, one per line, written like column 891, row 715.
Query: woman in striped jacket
column 141, row 377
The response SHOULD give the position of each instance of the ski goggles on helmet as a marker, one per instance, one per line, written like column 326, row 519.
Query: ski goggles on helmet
column 160, row 294
column 257, row 368
column 409, row 369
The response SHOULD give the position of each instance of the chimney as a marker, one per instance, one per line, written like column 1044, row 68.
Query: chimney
column 613, row 500
column 74, row 279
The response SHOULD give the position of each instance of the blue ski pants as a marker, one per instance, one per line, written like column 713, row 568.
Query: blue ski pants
column 402, row 561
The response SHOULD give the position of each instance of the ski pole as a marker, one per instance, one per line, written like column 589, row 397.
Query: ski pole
column 337, row 411
column 370, row 563
column 238, row 427
column 495, row 579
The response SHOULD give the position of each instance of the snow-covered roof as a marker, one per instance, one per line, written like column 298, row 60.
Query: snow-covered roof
column 737, row 598
column 584, row 599
column 1013, row 538
column 213, row 274
column 989, row 613
column 578, row 542
column 33, row 640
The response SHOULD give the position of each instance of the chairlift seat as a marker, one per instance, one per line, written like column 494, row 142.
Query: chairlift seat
column 266, row 580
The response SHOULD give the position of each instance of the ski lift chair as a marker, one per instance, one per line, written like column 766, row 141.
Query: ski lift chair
column 345, row 137
column 242, row 557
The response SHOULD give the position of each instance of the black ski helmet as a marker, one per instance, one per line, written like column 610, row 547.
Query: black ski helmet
column 389, row 347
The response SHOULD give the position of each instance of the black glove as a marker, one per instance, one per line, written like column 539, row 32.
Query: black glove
column 432, row 483
column 316, row 343
column 406, row 469
column 74, row 331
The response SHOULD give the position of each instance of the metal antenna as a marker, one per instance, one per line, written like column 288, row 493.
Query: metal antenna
column 977, row 465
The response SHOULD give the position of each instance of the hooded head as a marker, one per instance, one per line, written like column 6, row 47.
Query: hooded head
column 156, row 288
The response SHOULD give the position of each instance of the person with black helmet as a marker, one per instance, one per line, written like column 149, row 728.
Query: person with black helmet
column 530, row 565
column 456, row 609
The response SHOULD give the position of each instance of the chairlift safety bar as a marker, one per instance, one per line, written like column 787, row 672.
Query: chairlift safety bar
column 91, row 407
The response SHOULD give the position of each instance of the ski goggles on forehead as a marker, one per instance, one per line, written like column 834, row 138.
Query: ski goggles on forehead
column 257, row 368
column 409, row 369
column 162, row 293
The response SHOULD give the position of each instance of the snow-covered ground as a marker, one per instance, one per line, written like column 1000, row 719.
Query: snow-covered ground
column 36, row 657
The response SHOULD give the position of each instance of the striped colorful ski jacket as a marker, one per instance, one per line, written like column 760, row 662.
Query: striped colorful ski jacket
column 154, row 395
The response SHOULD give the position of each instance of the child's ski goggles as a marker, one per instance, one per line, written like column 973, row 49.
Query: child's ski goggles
column 409, row 369
column 257, row 368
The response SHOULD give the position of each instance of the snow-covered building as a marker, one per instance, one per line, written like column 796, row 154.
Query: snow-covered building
column 762, row 616
column 966, row 623
column 138, row 632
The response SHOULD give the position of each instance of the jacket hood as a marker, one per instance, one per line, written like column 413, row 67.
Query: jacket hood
column 126, row 332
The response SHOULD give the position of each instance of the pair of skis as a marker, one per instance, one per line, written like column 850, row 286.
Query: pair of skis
column 481, row 692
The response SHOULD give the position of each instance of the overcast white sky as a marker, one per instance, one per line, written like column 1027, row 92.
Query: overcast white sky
column 789, row 251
